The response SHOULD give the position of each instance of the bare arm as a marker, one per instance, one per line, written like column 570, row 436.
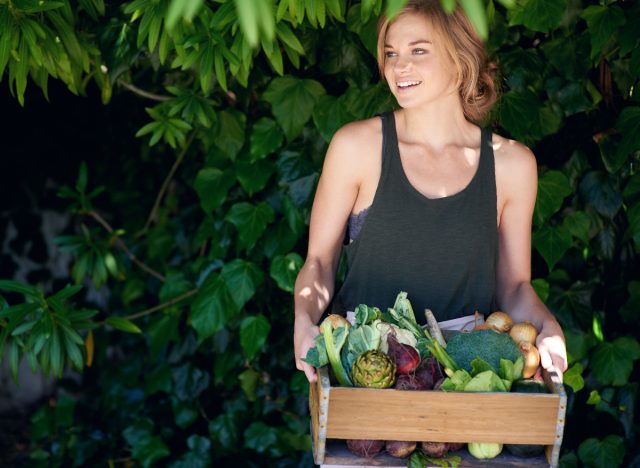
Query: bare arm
column 334, row 200
column 517, row 179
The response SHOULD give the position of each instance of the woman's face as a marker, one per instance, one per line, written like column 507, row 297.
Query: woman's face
column 417, row 66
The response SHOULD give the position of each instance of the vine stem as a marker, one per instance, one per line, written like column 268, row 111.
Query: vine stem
column 141, row 92
column 167, row 180
column 124, row 247
column 162, row 306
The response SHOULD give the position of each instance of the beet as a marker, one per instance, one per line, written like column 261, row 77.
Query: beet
column 365, row 448
column 410, row 382
column 438, row 384
column 400, row 448
column 428, row 372
column 405, row 356
column 435, row 449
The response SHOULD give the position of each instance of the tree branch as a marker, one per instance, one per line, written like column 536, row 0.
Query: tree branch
column 141, row 92
column 123, row 246
column 162, row 306
column 165, row 184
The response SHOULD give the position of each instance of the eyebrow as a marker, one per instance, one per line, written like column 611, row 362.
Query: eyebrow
column 412, row 43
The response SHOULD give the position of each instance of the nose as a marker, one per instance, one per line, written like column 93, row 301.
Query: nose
column 402, row 64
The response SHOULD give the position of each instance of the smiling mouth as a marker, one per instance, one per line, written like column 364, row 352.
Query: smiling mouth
column 407, row 84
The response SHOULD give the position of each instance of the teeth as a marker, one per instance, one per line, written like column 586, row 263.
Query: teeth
column 406, row 84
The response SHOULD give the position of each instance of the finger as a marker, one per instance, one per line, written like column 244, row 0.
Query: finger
column 310, row 372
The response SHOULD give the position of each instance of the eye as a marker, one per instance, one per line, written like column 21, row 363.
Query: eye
column 420, row 51
column 390, row 54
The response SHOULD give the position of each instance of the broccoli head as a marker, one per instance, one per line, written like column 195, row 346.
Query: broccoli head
column 488, row 345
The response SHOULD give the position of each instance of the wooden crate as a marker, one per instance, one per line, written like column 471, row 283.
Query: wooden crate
column 389, row 414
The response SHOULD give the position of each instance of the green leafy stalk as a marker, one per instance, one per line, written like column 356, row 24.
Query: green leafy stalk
column 334, row 340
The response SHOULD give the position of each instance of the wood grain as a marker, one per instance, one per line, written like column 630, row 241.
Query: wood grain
column 362, row 413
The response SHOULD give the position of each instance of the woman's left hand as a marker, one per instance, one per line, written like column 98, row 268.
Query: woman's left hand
column 552, row 348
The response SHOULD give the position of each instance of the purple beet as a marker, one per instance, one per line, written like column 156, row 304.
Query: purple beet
column 365, row 448
column 410, row 382
column 400, row 448
column 405, row 356
column 428, row 372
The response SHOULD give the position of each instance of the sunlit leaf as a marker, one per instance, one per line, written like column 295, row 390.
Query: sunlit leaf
column 284, row 270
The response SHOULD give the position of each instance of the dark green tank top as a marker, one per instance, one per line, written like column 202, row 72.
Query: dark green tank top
column 442, row 251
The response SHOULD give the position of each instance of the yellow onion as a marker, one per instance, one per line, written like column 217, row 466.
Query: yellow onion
column 531, row 359
column 524, row 331
column 499, row 321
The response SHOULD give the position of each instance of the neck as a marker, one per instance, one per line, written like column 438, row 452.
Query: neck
column 438, row 124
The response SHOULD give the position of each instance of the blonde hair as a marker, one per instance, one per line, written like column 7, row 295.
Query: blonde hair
column 475, row 73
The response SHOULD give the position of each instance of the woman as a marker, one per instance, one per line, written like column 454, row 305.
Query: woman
column 434, row 205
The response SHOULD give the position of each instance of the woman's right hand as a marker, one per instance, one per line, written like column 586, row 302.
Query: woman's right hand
column 303, row 340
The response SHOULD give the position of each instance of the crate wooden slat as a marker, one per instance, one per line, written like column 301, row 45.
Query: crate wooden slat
column 389, row 414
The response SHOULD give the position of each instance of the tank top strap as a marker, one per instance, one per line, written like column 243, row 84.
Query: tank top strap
column 486, row 166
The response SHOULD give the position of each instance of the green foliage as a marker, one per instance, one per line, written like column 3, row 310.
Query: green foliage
column 246, row 96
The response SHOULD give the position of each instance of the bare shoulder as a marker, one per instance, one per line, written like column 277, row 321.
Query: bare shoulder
column 352, row 142
column 513, row 159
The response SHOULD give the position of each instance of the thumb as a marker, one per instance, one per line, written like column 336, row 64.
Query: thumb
column 545, row 357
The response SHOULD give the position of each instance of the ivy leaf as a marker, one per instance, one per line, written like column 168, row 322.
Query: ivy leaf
column 518, row 111
column 230, row 132
column 578, row 223
column 606, row 452
column 212, row 186
column 250, row 221
column 596, row 189
column 630, row 311
column 573, row 377
column 628, row 124
column 602, row 21
column 249, row 383
column 292, row 101
column 633, row 214
column 612, row 363
column 145, row 447
column 578, row 344
column 212, row 308
column 224, row 432
column 552, row 243
column 329, row 115
column 553, row 188
column 242, row 278
column 538, row 15
column 284, row 270
column 541, row 287
column 253, row 176
column 259, row 437
column 266, row 137
column 253, row 334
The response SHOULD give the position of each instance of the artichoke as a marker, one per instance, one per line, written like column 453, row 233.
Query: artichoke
column 373, row 369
